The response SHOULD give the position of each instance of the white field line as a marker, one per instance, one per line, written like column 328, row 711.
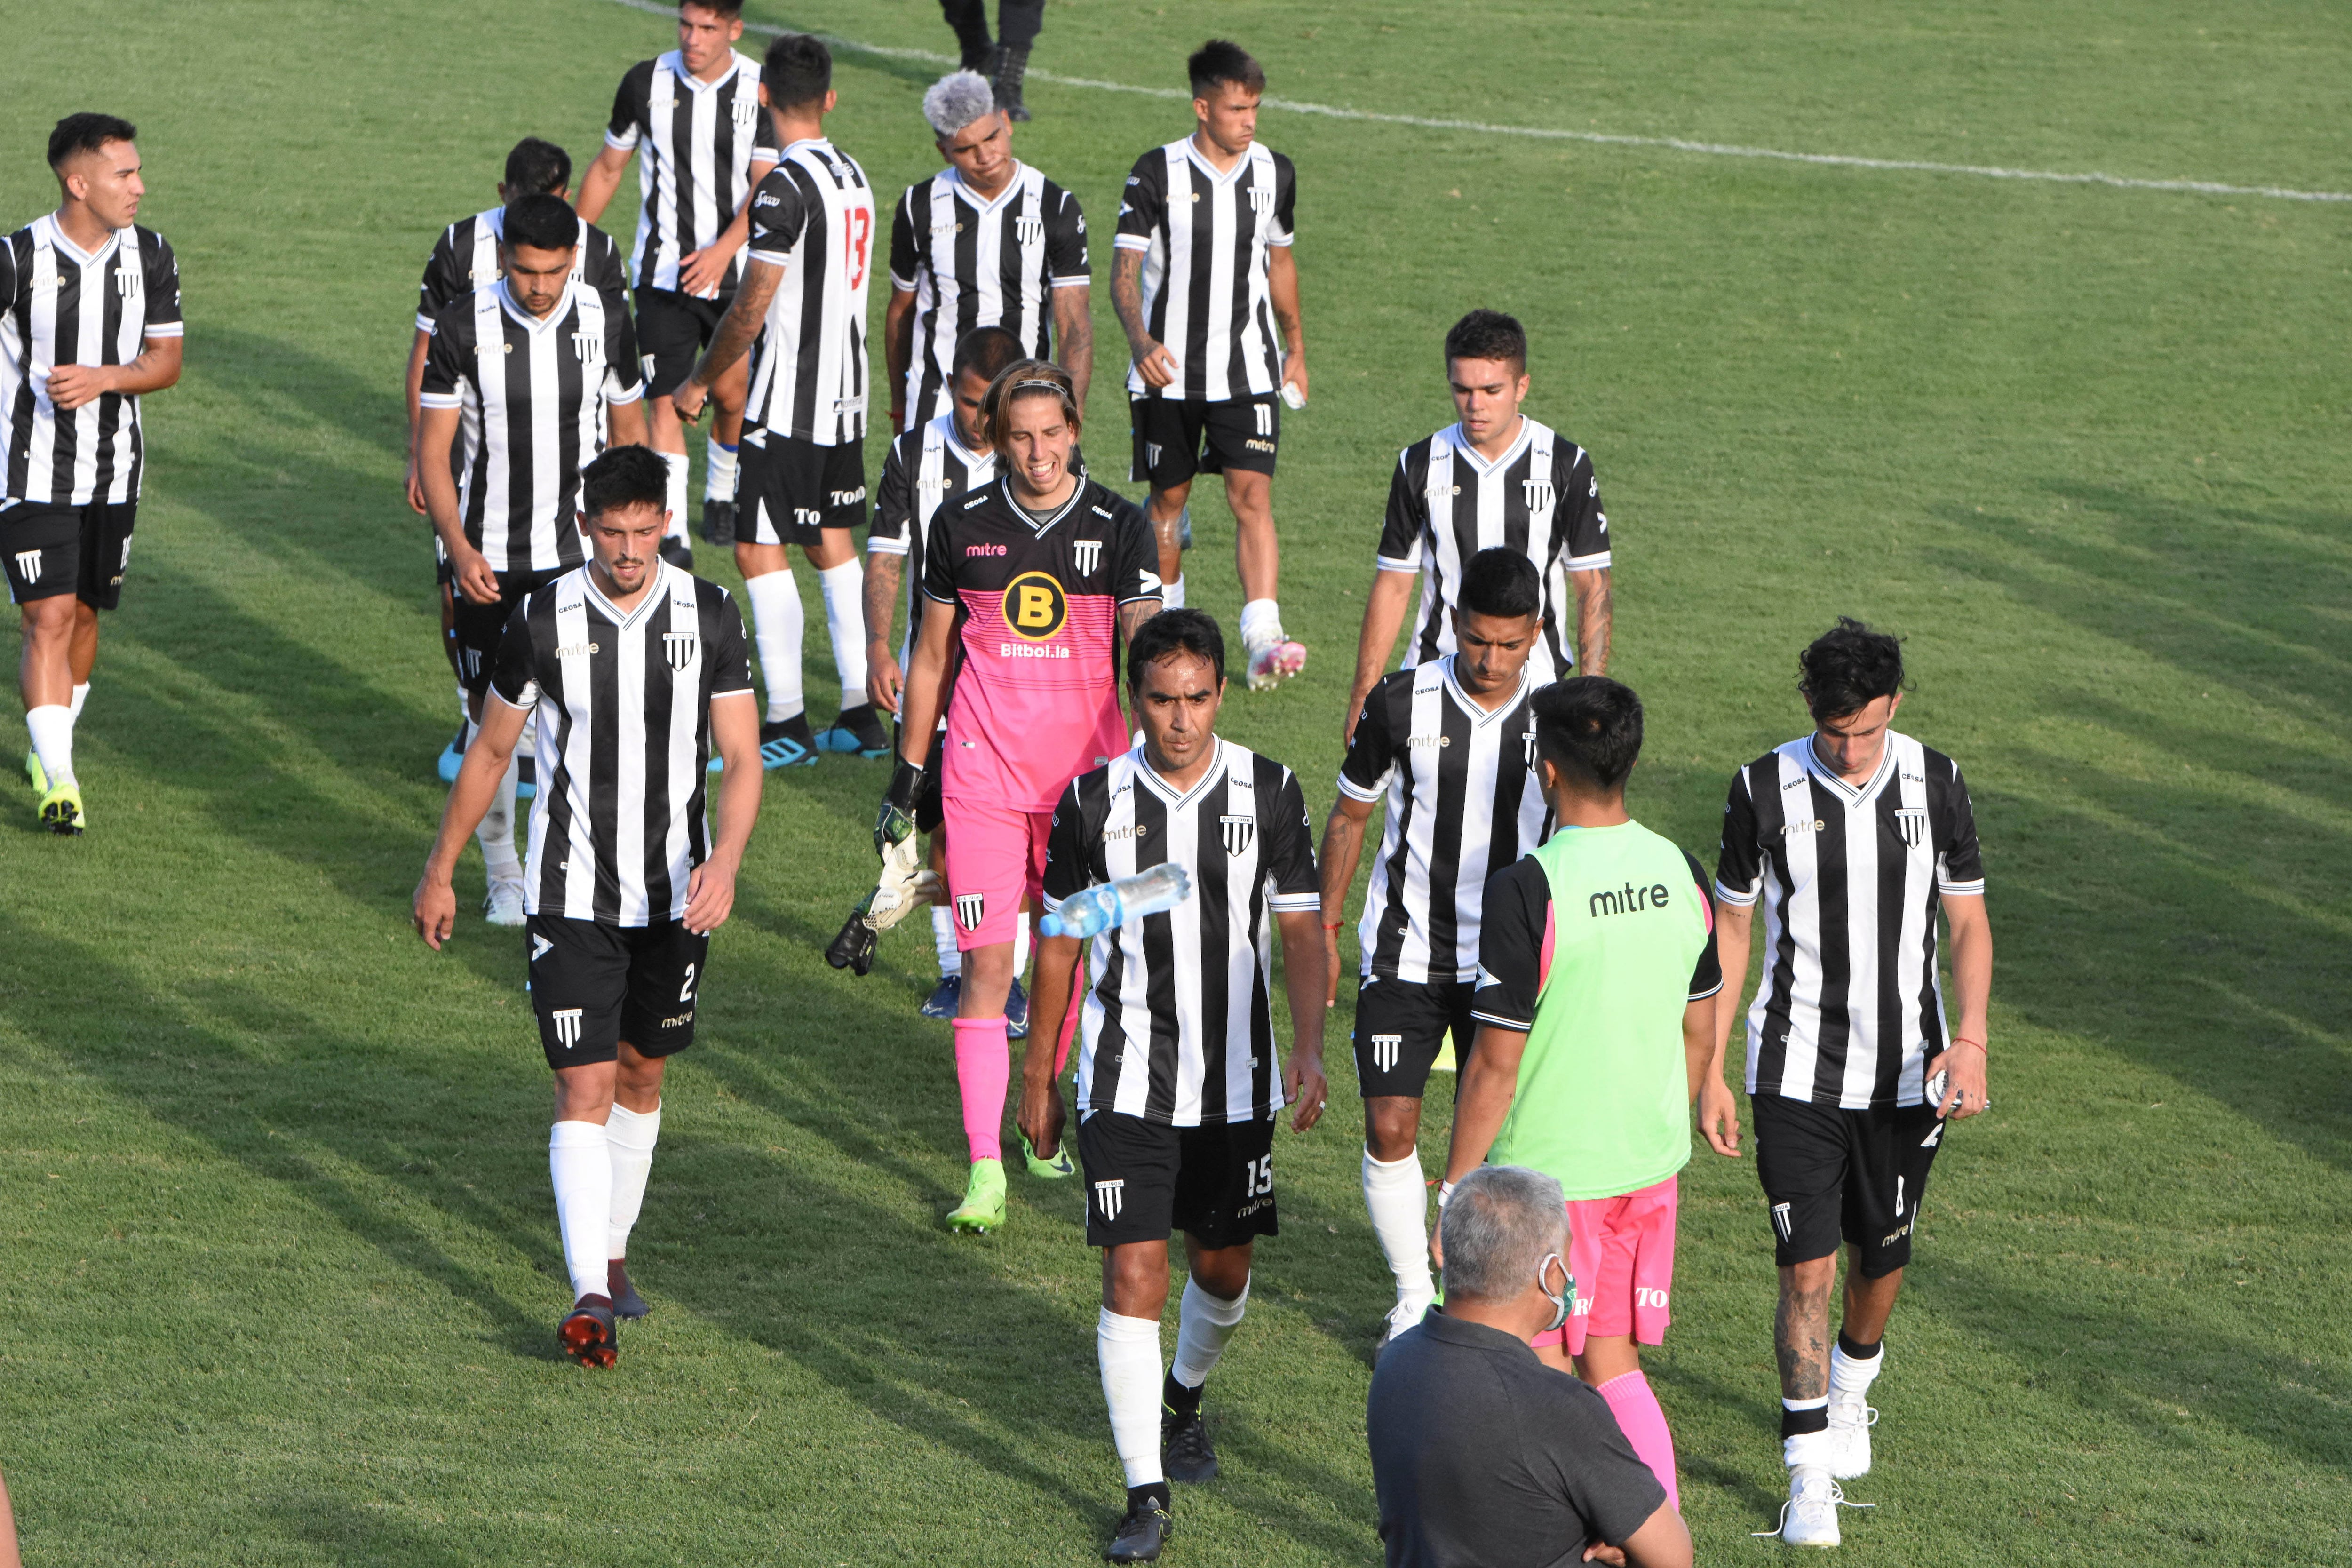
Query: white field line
column 1602, row 138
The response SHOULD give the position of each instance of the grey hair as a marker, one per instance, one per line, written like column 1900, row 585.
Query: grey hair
column 1497, row 1227
column 956, row 100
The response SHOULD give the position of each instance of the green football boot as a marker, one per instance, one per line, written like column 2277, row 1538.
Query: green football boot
column 983, row 1209
column 61, row 809
column 1052, row 1170
column 39, row 774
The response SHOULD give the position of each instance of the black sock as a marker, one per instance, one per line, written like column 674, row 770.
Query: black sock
column 1179, row 1399
column 797, row 727
column 1797, row 1423
column 1151, row 1494
column 1855, row 1350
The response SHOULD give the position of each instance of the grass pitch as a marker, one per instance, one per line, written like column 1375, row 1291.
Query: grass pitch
column 280, row 1264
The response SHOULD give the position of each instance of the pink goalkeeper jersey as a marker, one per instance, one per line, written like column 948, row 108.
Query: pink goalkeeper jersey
column 1037, row 602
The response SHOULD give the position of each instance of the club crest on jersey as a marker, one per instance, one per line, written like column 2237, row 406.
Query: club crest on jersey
column 1261, row 198
column 1528, row 744
column 1034, row 607
column 968, row 909
column 1029, row 230
column 679, row 648
column 567, row 1027
column 1911, row 823
column 1539, row 493
column 1109, row 1198
column 1384, row 1051
column 1089, row 555
column 1238, row 831
column 589, row 347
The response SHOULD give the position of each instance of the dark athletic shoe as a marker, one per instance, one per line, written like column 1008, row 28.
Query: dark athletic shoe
column 944, row 1001
column 588, row 1335
column 453, row 757
column 677, row 551
column 1144, row 1531
column 627, row 1302
column 1185, row 1451
column 718, row 521
column 787, row 744
column 1016, row 1012
column 858, row 731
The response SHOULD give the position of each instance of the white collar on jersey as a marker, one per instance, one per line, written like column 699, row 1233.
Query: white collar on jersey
column 1470, row 704
column 1150, row 775
column 1242, row 165
column 1460, row 442
column 529, row 322
column 1853, row 795
column 656, row 592
column 826, row 141
column 956, row 183
column 83, row 257
column 969, row 458
column 675, row 63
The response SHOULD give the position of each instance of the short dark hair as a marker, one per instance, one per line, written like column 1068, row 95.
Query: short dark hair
column 622, row 477
column 1847, row 667
column 1590, row 728
column 1219, row 62
column 1026, row 378
column 538, row 168
column 1500, row 582
column 721, row 7
column 542, row 222
column 985, row 351
column 1487, row 334
column 1183, row 630
column 87, row 134
column 798, row 70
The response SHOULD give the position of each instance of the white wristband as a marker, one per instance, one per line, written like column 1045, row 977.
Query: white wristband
column 1445, row 1191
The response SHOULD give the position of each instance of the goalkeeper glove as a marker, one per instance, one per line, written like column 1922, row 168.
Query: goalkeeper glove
column 895, row 823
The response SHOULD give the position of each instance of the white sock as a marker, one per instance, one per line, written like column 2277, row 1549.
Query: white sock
column 845, row 617
column 679, row 466
column 582, row 1173
column 51, row 729
column 1203, row 1326
column 465, row 708
column 629, row 1135
column 1261, row 622
column 1398, row 1201
column 496, row 833
column 1806, row 1449
column 776, row 620
column 1172, row 595
column 1850, row 1376
column 80, row 696
column 1128, row 1352
column 718, row 471
column 1021, row 944
column 943, row 942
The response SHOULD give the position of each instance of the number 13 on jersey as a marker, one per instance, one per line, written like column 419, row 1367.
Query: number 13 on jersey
column 856, row 243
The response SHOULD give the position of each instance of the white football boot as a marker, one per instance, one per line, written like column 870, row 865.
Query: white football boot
column 1810, row 1516
column 1849, row 1424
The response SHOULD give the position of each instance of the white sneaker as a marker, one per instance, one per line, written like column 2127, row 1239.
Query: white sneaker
column 1849, row 1424
column 1810, row 1516
column 1273, row 661
column 504, row 906
column 1402, row 1316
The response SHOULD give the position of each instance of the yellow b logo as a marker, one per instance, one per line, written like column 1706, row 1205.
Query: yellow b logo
column 1034, row 607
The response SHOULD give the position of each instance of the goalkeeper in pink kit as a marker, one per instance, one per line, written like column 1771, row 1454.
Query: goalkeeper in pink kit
column 1044, row 576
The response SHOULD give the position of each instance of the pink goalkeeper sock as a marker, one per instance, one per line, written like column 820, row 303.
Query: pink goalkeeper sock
column 1644, row 1426
column 984, row 1071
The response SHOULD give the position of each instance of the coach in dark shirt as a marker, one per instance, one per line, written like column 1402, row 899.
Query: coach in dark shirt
column 1484, row 1456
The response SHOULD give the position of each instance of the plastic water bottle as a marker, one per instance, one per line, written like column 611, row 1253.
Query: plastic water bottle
column 1098, row 909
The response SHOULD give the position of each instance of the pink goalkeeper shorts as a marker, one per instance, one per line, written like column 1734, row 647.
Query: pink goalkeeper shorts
column 1621, row 1251
column 995, row 856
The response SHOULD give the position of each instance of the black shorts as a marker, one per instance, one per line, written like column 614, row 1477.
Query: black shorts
column 787, row 490
column 79, row 549
column 1146, row 1179
column 594, row 985
column 1400, row 1025
column 1853, row 1175
column 673, row 329
column 1176, row 439
column 479, row 627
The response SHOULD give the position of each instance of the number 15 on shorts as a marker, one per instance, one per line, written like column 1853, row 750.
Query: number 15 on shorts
column 1257, row 1176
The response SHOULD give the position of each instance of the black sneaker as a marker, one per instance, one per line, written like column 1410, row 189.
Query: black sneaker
column 677, row 551
column 718, row 521
column 1144, row 1531
column 943, row 1001
column 787, row 744
column 627, row 1302
column 858, row 731
column 1011, row 64
column 587, row 1332
column 1185, row 1453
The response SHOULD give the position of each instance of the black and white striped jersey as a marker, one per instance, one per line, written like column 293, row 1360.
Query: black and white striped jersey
column 1849, row 1008
column 697, row 144
column 925, row 467
column 466, row 257
column 623, row 707
column 1446, row 504
column 813, row 216
column 1207, row 240
column 530, row 394
column 1465, row 800
column 62, row 306
column 971, row 263
column 1178, row 1027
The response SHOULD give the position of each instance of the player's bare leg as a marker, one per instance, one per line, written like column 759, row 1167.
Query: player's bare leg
column 1165, row 508
column 580, row 1164
column 1396, row 1196
column 1134, row 1296
column 1272, row 656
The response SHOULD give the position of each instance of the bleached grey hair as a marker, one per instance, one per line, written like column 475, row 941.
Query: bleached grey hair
column 1497, row 1227
column 956, row 100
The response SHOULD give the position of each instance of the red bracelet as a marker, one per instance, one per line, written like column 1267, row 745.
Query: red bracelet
column 1960, row 1040
column 1333, row 925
